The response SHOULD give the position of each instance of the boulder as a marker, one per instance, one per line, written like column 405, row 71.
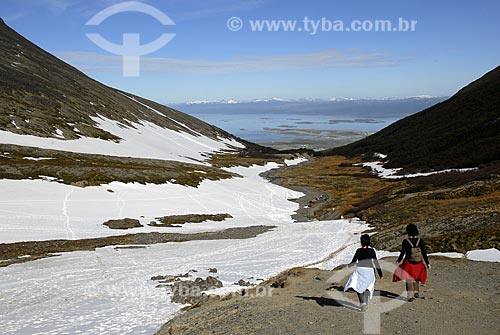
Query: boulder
column 123, row 223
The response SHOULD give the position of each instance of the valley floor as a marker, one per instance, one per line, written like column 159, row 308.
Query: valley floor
column 110, row 291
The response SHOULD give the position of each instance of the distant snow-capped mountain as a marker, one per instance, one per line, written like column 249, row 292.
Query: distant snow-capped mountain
column 231, row 101
column 346, row 107
column 306, row 99
column 207, row 102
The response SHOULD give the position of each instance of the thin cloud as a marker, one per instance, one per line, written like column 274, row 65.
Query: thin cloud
column 14, row 17
column 180, row 10
column 58, row 6
column 331, row 58
column 215, row 9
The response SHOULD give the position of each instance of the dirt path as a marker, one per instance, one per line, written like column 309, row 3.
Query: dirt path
column 460, row 297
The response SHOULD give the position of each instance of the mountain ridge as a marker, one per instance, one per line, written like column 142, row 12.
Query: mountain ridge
column 53, row 95
column 461, row 132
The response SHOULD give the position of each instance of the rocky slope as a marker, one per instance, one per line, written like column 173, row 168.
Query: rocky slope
column 57, row 122
column 43, row 96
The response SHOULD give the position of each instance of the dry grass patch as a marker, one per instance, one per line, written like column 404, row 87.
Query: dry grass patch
column 345, row 183
column 454, row 211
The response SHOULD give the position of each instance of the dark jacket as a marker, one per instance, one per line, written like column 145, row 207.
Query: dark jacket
column 366, row 258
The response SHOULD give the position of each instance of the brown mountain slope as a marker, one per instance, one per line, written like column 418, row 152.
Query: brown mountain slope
column 50, row 94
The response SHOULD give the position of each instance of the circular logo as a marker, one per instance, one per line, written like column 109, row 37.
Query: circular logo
column 372, row 317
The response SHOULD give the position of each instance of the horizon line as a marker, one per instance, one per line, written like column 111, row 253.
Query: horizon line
column 303, row 99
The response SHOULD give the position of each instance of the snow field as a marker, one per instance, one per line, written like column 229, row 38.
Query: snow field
column 44, row 209
column 109, row 291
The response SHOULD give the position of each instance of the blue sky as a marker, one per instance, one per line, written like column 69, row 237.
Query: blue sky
column 453, row 44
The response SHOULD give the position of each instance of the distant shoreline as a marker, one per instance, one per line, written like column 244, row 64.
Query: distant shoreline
column 314, row 141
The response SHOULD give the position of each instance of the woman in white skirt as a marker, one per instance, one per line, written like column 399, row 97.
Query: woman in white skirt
column 362, row 279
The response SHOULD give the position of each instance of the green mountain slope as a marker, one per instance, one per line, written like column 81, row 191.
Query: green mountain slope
column 463, row 131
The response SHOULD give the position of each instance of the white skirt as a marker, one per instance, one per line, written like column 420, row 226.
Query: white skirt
column 362, row 279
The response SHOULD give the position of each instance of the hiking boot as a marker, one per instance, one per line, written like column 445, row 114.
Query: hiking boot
column 416, row 295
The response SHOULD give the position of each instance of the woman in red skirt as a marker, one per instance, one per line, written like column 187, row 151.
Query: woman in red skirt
column 412, row 270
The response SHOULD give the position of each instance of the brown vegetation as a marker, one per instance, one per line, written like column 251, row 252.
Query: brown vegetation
column 177, row 220
column 455, row 211
column 90, row 170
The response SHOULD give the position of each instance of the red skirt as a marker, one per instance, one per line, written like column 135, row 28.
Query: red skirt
column 409, row 271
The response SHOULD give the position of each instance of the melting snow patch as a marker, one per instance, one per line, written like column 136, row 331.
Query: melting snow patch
column 378, row 169
column 15, row 124
column 379, row 155
column 448, row 254
column 291, row 162
column 486, row 255
column 48, row 178
column 38, row 158
column 59, row 133
column 152, row 141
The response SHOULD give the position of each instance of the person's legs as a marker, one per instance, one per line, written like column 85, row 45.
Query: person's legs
column 409, row 289
column 361, row 297
column 366, row 296
column 416, row 289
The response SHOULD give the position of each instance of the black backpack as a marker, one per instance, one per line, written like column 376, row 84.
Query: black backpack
column 415, row 255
